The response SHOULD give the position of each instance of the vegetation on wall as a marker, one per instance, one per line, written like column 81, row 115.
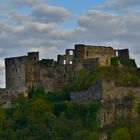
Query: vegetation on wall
column 123, row 61
column 122, row 76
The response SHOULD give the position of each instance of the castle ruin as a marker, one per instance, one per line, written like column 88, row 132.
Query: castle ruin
column 28, row 71
column 25, row 72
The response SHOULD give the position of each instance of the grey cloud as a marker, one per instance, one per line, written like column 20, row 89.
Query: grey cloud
column 18, row 17
column 118, row 4
column 124, row 3
column 39, row 30
column 34, row 35
column 19, row 3
column 66, row 34
column 101, row 25
column 119, row 31
column 107, row 26
column 46, row 13
column 40, row 11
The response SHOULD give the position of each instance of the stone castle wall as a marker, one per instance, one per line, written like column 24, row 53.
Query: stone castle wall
column 32, row 70
column 116, row 101
column 27, row 71
column 53, row 78
column 15, row 72
column 93, row 93
column 111, row 91
column 22, row 72
column 102, row 52
column 6, row 96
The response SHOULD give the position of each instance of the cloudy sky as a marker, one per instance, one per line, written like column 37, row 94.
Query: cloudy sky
column 51, row 26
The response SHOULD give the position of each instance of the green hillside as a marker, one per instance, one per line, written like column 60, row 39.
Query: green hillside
column 53, row 116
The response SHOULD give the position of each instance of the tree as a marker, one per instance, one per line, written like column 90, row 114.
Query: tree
column 121, row 134
column 136, row 131
column 93, row 136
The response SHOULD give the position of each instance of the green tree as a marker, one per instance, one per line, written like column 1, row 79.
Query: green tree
column 135, row 131
column 93, row 136
column 121, row 134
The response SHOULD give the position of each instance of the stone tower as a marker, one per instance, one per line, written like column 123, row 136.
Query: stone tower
column 103, row 53
column 22, row 72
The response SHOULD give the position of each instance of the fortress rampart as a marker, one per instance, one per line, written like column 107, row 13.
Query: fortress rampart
column 116, row 101
column 28, row 71
column 24, row 72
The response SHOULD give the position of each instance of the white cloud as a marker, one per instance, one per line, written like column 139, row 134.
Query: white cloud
column 39, row 30
column 2, row 73
column 99, row 24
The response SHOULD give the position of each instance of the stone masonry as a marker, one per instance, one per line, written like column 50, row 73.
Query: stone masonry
column 22, row 72
column 25, row 72
column 115, row 100
column 28, row 71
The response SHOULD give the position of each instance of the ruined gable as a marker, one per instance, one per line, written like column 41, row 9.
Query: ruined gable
column 67, row 58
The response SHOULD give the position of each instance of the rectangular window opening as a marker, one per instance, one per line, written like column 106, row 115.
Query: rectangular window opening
column 70, row 52
column 64, row 62
column 70, row 62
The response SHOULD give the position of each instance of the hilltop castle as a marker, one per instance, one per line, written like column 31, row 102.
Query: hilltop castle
column 25, row 72
column 28, row 71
